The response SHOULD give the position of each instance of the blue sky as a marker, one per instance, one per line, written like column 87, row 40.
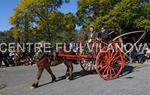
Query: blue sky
column 7, row 8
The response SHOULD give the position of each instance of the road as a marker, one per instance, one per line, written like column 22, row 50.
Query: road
column 18, row 81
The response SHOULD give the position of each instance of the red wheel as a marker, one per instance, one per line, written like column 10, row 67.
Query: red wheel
column 109, row 64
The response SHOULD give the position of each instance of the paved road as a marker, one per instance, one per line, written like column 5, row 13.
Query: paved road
column 18, row 80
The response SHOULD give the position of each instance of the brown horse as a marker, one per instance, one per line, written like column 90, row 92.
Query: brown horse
column 43, row 62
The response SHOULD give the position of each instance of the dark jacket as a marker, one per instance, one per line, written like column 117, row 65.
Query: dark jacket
column 1, row 56
column 103, row 35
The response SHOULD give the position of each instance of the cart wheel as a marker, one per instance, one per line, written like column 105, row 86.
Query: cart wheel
column 88, row 65
column 109, row 64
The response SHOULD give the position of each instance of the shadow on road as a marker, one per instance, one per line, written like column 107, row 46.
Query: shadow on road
column 45, row 84
column 82, row 73
column 2, row 86
column 127, row 70
column 76, row 75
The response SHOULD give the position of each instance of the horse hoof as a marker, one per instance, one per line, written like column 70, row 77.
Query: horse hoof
column 35, row 85
column 31, row 87
column 69, row 79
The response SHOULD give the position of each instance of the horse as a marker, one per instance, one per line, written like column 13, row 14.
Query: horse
column 43, row 61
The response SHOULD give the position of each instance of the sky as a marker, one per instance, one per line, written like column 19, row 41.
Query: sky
column 7, row 8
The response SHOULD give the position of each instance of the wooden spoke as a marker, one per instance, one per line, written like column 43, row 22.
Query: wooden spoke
column 87, row 65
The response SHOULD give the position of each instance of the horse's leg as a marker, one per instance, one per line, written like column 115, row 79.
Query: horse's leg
column 67, row 71
column 70, row 67
column 40, row 68
column 47, row 67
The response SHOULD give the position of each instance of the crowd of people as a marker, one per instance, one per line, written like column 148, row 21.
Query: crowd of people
column 7, row 58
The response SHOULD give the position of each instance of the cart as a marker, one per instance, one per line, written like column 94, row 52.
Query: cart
column 108, row 62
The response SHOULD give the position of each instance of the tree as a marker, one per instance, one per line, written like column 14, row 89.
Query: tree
column 60, row 24
column 125, row 14
column 6, row 37
column 42, row 18
column 15, row 34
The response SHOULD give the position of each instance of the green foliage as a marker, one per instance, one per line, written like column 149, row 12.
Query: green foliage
column 89, row 10
column 59, row 24
column 15, row 34
column 6, row 37
column 144, row 20
column 42, row 18
column 126, row 14
column 82, row 35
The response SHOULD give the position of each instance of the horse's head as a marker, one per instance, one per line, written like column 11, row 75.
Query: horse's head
column 38, row 55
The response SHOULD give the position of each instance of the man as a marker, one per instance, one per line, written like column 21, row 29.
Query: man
column 92, row 35
column 74, row 47
column 103, row 34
